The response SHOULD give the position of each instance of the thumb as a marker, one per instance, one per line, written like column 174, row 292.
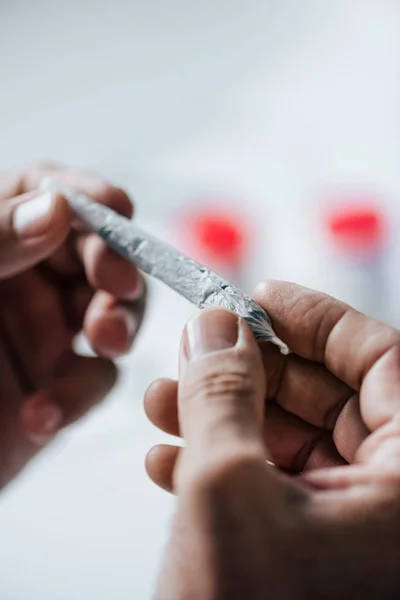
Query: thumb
column 32, row 226
column 221, row 392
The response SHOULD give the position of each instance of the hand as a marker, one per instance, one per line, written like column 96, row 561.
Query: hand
column 325, row 521
column 54, row 282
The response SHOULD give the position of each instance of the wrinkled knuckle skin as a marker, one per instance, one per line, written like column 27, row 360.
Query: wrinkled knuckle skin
column 216, row 386
column 233, row 375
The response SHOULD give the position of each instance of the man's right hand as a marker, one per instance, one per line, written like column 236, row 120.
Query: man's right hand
column 325, row 522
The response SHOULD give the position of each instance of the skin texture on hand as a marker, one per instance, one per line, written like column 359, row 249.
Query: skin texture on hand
column 55, row 281
column 324, row 522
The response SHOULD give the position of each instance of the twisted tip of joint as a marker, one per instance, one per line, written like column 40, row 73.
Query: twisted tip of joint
column 281, row 345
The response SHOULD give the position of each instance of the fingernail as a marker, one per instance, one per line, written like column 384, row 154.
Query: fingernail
column 41, row 421
column 138, row 289
column 115, row 331
column 210, row 331
column 31, row 218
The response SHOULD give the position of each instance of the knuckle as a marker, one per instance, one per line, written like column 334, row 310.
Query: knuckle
column 383, row 342
column 38, row 170
column 262, row 290
column 272, row 291
column 100, row 188
column 32, row 174
column 389, row 435
column 216, row 385
column 390, row 345
column 275, row 296
column 382, row 448
column 116, row 198
column 10, row 185
column 319, row 313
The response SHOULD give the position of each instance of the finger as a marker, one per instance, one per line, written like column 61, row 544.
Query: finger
column 380, row 399
column 32, row 226
column 161, row 405
column 31, row 178
column 309, row 391
column 162, row 459
column 40, row 420
column 320, row 328
column 76, row 303
column 111, row 326
column 297, row 446
column 28, row 426
column 14, row 448
column 30, row 312
column 323, row 329
column 294, row 445
column 160, row 465
column 304, row 388
column 221, row 397
column 340, row 477
column 10, row 184
column 100, row 190
column 19, row 181
column 382, row 448
column 222, row 385
column 106, row 270
column 350, row 430
column 68, row 258
column 65, row 263
column 81, row 385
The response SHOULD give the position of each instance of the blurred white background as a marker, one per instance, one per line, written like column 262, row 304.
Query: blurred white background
column 275, row 104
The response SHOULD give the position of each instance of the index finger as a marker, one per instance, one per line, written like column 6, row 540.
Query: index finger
column 14, row 183
column 104, row 268
column 323, row 329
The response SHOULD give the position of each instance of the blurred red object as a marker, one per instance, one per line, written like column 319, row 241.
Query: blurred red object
column 357, row 227
column 218, row 236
